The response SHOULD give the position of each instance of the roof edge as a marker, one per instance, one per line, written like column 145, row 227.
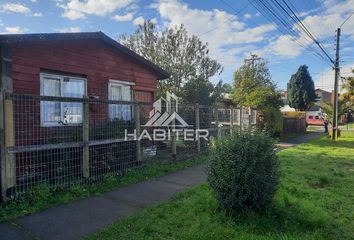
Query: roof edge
column 15, row 38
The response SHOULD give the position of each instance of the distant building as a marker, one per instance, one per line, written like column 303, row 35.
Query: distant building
column 323, row 96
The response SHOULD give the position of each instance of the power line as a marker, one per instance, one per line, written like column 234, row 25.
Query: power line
column 308, row 31
column 346, row 19
column 268, row 11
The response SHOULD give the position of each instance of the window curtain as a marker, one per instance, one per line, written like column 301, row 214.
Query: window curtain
column 120, row 92
column 50, row 111
column 72, row 111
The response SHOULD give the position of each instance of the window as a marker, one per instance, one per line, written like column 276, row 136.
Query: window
column 61, row 113
column 120, row 91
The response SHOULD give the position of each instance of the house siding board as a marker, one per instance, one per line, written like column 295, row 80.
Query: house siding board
column 92, row 58
column 95, row 60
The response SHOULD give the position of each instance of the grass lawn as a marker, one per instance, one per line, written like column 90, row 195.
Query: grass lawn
column 315, row 200
column 42, row 197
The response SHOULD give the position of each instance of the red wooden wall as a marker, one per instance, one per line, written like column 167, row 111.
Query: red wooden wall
column 93, row 58
column 96, row 60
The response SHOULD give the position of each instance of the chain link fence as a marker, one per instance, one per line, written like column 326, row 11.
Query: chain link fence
column 63, row 141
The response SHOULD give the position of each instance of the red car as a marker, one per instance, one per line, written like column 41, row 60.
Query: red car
column 314, row 120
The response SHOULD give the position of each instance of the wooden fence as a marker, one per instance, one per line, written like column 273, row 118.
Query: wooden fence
column 62, row 141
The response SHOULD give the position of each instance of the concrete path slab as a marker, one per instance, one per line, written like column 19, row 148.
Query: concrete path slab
column 11, row 232
column 78, row 219
column 75, row 220
column 188, row 177
column 146, row 193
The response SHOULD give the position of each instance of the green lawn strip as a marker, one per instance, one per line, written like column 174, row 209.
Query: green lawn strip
column 42, row 197
column 314, row 201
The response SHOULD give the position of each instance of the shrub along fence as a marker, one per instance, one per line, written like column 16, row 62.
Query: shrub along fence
column 63, row 141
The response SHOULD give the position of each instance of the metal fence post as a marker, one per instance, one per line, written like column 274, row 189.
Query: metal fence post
column 216, row 114
column 197, row 126
column 86, row 138
column 231, row 119
column 173, row 134
column 137, row 129
column 241, row 118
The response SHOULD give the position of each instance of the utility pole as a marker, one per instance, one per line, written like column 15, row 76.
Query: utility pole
column 252, row 59
column 335, row 100
column 336, row 78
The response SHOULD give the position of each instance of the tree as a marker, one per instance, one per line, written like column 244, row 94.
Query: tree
column 343, row 107
column 301, row 89
column 201, row 91
column 226, row 88
column 184, row 56
column 253, row 87
column 348, row 87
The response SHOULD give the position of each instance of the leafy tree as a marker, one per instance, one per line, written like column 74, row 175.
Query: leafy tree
column 343, row 106
column 301, row 89
column 226, row 88
column 348, row 87
column 253, row 87
column 184, row 56
column 201, row 91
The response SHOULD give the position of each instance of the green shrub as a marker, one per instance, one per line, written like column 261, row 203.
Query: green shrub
column 243, row 171
column 273, row 121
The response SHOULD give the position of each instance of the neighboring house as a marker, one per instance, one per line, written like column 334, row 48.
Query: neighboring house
column 49, row 132
column 248, row 115
column 74, row 65
column 315, row 114
column 323, row 96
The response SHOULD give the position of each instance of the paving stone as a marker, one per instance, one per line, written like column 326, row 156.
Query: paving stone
column 11, row 232
column 146, row 193
column 188, row 177
column 75, row 220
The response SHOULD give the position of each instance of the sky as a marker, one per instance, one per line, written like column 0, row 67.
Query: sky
column 232, row 29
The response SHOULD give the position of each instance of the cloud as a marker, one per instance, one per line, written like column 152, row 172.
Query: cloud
column 37, row 14
column 333, row 14
column 73, row 15
column 229, row 39
column 14, row 30
column 19, row 8
column 247, row 16
column 123, row 18
column 68, row 30
column 34, row 1
column 78, row 9
column 325, row 79
column 16, row 8
column 284, row 46
column 154, row 20
column 138, row 21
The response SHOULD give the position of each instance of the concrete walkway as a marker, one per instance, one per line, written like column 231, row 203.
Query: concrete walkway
column 81, row 218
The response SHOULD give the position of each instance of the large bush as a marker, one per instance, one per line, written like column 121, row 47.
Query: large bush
column 271, row 121
column 243, row 171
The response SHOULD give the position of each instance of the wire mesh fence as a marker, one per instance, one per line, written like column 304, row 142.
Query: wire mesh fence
column 63, row 141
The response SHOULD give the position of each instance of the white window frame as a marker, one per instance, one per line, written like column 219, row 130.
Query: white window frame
column 120, row 83
column 61, row 78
